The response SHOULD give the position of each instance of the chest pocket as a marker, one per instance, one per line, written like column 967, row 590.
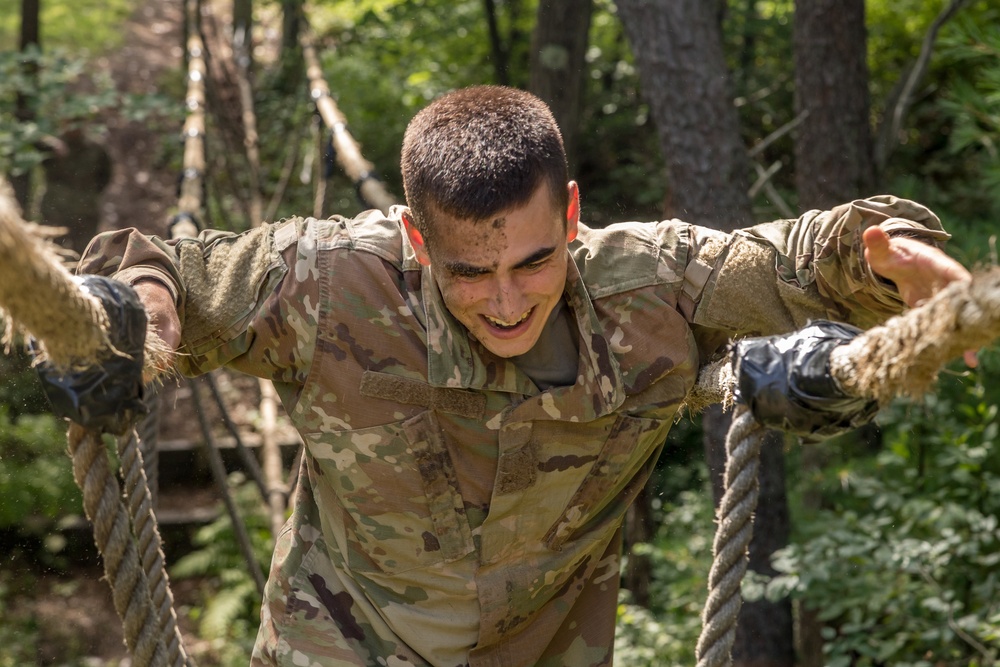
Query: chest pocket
column 597, row 500
column 397, row 487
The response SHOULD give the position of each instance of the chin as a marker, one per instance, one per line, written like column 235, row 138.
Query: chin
column 508, row 349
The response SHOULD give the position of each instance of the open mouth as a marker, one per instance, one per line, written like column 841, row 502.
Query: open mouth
column 504, row 325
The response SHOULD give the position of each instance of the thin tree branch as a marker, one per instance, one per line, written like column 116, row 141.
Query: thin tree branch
column 978, row 646
column 764, row 179
column 917, row 73
column 777, row 134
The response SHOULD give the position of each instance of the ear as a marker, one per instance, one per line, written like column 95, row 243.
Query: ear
column 416, row 239
column 572, row 211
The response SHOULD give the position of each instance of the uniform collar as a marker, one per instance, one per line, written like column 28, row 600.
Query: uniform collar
column 457, row 361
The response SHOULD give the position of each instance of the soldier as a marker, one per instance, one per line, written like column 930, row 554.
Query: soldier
column 76, row 172
column 483, row 383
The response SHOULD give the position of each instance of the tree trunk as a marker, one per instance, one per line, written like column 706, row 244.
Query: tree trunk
column 678, row 48
column 765, row 634
column 498, row 49
column 24, row 107
column 558, row 51
column 834, row 155
column 291, row 65
column 639, row 530
column 833, row 148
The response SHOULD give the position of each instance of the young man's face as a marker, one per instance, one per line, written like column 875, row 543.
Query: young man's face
column 501, row 278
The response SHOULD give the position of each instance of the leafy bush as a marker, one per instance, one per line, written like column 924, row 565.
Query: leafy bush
column 18, row 638
column 972, row 50
column 65, row 89
column 36, row 477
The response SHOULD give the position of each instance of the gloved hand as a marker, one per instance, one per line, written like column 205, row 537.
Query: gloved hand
column 786, row 382
column 107, row 396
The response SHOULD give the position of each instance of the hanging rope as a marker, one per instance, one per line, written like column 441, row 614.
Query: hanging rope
column 192, row 185
column 371, row 190
column 112, row 533
column 732, row 539
column 903, row 357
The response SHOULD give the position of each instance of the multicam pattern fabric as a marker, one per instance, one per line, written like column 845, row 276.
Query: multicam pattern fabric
column 449, row 513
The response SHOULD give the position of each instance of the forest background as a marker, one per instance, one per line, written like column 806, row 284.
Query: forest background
column 879, row 548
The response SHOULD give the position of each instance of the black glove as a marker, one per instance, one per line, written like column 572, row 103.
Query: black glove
column 786, row 382
column 107, row 396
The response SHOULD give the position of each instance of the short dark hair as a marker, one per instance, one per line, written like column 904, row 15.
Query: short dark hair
column 478, row 151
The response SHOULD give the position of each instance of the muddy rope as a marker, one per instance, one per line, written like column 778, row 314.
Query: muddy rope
column 902, row 357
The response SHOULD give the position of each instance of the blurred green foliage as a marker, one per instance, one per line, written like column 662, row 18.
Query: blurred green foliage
column 63, row 90
column 94, row 25
column 36, row 479
column 18, row 638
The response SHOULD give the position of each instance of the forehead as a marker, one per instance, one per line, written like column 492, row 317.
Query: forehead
column 506, row 237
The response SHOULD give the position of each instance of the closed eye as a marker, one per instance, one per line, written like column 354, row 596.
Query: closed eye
column 536, row 260
column 466, row 272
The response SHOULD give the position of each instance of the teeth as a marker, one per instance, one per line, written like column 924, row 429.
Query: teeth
column 507, row 325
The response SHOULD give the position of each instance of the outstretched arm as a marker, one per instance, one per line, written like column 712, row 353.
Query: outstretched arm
column 220, row 299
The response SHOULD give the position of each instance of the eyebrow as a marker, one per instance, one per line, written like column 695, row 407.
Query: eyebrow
column 462, row 269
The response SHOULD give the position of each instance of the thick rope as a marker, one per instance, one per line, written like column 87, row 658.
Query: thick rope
column 900, row 358
column 79, row 340
column 732, row 539
column 150, row 547
column 193, row 176
column 148, row 431
column 904, row 356
column 27, row 259
column 113, row 535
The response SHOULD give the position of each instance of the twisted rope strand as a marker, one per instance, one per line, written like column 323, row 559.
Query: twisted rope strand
column 151, row 547
column 113, row 536
column 730, row 558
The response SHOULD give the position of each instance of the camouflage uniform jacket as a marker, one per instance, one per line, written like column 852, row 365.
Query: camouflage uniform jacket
column 448, row 512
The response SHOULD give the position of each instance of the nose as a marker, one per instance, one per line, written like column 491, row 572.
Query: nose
column 507, row 299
